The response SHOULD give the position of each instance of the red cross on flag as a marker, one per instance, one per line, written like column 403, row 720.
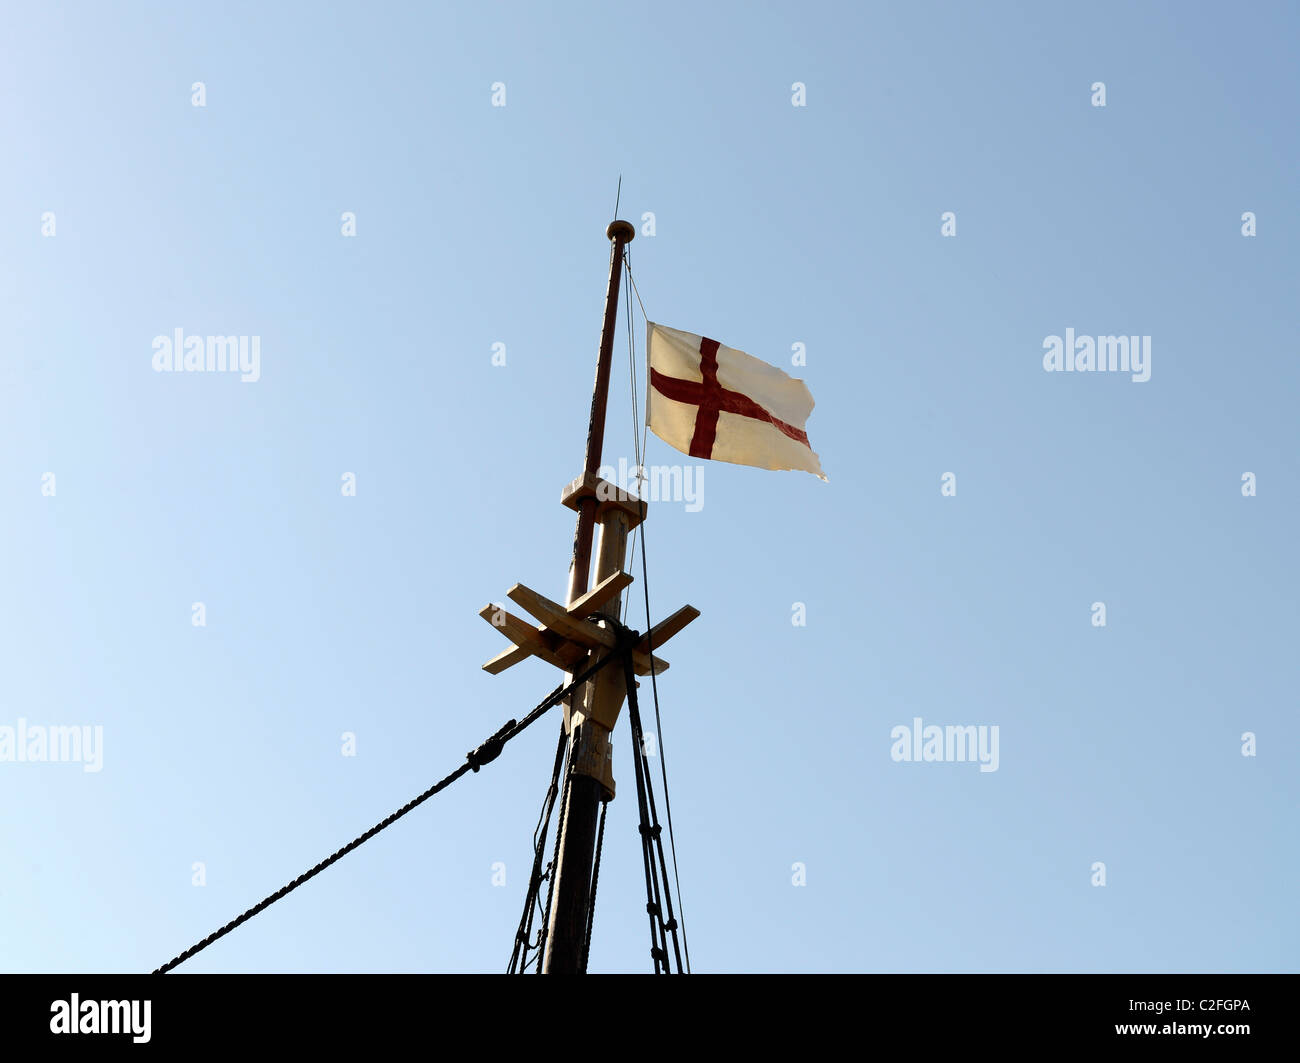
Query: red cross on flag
column 711, row 401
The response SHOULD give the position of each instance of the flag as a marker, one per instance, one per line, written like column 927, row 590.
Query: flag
column 711, row 401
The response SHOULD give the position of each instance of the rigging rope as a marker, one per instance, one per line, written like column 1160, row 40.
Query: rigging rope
column 532, row 905
column 555, row 860
column 663, row 759
column 658, row 952
column 634, row 287
column 595, row 881
column 638, row 445
column 645, row 586
column 650, row 830
column 627, row 264
column 484, row 754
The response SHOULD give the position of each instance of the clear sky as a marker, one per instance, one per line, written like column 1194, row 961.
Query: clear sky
column 774, row 225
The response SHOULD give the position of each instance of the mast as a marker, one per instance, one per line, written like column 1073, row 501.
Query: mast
column 576, row 636
column 588, row 746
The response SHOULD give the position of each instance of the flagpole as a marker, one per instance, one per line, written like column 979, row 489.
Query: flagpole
column 583, row 793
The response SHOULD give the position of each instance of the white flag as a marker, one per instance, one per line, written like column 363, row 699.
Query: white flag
column 711, row 401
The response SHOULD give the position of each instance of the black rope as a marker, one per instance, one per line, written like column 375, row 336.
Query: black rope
column 523, row 936
column 555, row 859
column 638, row 446
column 539, row 851
column 663, row 759
column 484, row 754
column 595, row 881
column 651, row 832
column 653, row 907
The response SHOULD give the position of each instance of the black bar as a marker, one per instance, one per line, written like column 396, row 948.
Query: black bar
column 1051, row 1016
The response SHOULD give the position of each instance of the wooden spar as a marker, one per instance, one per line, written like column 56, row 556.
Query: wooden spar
column 620, row 234
column 566, row 934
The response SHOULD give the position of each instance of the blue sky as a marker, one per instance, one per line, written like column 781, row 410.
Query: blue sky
column 773, row 225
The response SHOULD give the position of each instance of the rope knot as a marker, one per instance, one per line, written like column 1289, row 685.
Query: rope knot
column 491, row 749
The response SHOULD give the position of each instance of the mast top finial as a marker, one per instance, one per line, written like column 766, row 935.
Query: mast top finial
column 622, row 231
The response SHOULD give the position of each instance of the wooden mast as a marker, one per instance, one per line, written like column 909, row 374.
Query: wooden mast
column 567, row 638
column 571, row 886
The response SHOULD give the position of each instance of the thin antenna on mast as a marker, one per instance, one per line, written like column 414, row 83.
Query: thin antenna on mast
column 619, row 195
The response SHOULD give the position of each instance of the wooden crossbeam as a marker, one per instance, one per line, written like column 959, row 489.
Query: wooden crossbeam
column 566, row 636
column 561, row 622
column 641, row 664
column 558, row 620
column 530, row 639
column 507, row 659
column 667, row 628
column 589, row 603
